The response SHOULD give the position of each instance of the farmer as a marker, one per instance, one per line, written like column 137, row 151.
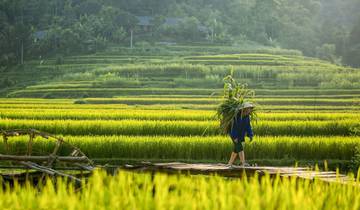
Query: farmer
column 240, row 128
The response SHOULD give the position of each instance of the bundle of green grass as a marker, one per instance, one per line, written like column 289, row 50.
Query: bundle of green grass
column 235, row 97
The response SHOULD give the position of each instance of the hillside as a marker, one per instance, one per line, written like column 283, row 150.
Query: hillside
column 177, row 70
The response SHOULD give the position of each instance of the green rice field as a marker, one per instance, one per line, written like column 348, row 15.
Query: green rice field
column 115, row 132
column 123, row 108
column 174, row 96
column 145, row 191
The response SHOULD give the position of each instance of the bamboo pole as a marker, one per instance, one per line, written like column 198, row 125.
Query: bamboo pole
column 43, row 158
column 49, row 171
column 53, row 154
column 30, row 143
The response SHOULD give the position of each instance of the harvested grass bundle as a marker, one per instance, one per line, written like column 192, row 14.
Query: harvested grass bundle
column 235, row 97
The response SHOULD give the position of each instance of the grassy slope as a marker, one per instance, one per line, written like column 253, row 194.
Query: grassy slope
column 190, row 70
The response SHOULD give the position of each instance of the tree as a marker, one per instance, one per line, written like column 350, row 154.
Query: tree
column 298, row 28
column 327, row 52
column 15, row 32
column 352, row 55
column 90, row 7
column 119, row 35
column 157, row 23
column 188, row 28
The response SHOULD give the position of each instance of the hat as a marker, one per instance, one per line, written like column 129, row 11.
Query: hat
column 247, row 105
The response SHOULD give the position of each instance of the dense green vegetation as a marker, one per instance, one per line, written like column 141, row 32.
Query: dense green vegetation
column 129, row 81
column 108, row 78
column 169, row 102
column 145, row 191
column 202, row 148
column 117, row 133
column 29, row 29
column 180, row 128
column 81, row 113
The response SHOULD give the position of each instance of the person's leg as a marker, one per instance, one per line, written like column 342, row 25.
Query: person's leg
column 232, row 158
column 235, row 151
column 242, row 157
column 242, row 154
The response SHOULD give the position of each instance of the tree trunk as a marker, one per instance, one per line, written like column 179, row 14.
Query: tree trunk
column 22, row 52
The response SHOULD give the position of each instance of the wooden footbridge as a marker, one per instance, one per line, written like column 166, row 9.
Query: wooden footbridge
column 239, row 171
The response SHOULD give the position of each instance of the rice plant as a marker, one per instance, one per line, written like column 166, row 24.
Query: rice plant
column 199, row 148
column 38, row 112
column 160, row 191
column 178, row 128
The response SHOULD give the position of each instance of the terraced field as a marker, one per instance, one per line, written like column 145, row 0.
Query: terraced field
column 126, row 106
column 180, row 71
column 160, row 105
column 116, row 132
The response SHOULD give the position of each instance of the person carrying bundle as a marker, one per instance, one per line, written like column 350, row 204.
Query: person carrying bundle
column 240, row 128
column 234, row 112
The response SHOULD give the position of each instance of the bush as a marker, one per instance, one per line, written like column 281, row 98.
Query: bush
column 48, row 96
column 145, row 46
column 355, row 161
column 85, row 95
column 59, row 60
column 339, row 83
column 327, row 52
column 7, row 82
column 80, row 101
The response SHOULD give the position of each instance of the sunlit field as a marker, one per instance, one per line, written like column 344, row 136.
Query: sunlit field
column 128, row 87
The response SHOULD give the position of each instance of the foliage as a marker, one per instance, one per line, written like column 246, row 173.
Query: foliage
column 355, row 160
column 198, row 148
column 352, row 53
column 234, row 97
column 327, row 52
column 107, row 130
column 128, row 190
column 112, row 109
column 44, row 28
column 281, row 70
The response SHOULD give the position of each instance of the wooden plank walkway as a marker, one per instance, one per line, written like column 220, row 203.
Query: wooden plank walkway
column 239, row 171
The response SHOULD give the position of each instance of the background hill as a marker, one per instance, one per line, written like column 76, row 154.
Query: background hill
column 38, row 28
column 177, row 69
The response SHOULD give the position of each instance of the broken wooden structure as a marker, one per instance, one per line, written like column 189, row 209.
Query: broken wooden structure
column 33, row 164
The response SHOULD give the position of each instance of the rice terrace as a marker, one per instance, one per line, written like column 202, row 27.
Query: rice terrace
column 179, row 104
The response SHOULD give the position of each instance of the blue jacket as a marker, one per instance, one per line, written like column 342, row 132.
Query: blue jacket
column 241, row 127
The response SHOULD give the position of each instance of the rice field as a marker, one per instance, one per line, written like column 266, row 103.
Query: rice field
column 109, row 92
column 178, row 128
column 117, row 132
column 281, row 108
column 201, row 148
column 159, row 191
column 125, row 113
column 111, row 76
column 121, row 108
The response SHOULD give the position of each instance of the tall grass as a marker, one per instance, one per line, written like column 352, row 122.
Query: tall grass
column 178, row 128
column 170, row 90
column 142, row 114
column 214, row 148
column 160, row 191
column 210, row 107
